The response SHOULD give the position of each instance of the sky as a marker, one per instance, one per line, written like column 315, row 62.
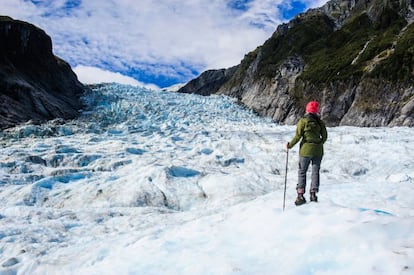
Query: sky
column 154, row 43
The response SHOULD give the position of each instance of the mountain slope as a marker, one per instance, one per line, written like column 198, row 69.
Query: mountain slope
column 355, row 57
column 34, row 84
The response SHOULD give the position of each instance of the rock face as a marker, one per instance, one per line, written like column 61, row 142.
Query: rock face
column 355, row 57
column 34, row 84
column 209, row 81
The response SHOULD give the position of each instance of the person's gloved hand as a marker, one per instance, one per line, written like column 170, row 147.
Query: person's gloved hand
column 287, row 146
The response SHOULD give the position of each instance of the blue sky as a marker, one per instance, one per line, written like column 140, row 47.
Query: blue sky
column 161, row 42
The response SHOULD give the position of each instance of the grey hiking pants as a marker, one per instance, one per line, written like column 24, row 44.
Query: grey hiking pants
column 303, row 168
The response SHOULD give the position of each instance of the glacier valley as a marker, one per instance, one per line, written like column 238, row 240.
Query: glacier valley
column 156, row 182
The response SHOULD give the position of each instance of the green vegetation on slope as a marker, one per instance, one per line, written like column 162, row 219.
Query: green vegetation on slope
column 342, row 54
column 348, row 50
column 333, row 60
column 399, row 66
column 305, row 37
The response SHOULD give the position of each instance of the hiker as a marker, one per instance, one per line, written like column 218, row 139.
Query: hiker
column 312, row 134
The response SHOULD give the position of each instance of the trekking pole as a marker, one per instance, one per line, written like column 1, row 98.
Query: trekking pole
column 284, row 194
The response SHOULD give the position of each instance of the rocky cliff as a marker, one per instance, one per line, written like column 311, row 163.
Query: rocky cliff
column 209, row 81
column 34, row 84
column 355, row 57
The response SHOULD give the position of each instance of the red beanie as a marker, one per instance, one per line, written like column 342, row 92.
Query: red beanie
column 312, row 107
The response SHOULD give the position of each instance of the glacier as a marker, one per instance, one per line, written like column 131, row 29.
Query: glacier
column 157, row 182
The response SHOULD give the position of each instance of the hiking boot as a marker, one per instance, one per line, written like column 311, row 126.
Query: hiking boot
column 300, row 200
column 313, row 197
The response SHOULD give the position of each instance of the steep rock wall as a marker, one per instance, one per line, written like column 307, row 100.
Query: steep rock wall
column 34, row 84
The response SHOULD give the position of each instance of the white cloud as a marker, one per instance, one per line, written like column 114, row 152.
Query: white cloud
column 314, row 3
column 93, row 75
column 166, row 37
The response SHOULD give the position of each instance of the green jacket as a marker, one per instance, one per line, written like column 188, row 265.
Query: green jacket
column 311, row 132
